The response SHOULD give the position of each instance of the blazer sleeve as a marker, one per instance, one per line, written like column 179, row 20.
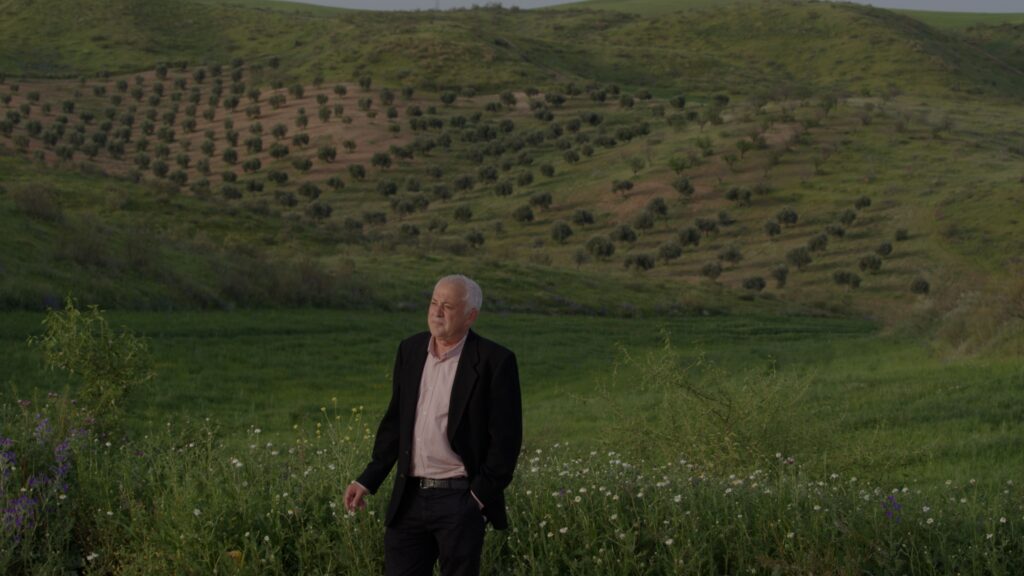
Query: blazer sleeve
column 505, row 429
column 385, row 446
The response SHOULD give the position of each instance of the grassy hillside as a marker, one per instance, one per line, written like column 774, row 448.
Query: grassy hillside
column 739, row 46
column 249, row 184
column 962, row 20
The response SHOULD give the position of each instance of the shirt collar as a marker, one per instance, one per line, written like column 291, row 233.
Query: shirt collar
column 457, row 350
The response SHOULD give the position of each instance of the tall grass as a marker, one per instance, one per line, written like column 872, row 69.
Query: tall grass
column 181, row 501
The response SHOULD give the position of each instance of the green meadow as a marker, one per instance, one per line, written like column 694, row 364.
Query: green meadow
column 702, row 445
column 883, row 406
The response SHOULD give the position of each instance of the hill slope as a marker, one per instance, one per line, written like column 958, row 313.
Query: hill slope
column 797, row 180
column 741, row 46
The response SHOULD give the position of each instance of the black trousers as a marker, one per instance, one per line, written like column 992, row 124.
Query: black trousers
column 436, row 523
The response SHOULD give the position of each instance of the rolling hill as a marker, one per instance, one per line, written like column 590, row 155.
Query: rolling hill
column 826, row 159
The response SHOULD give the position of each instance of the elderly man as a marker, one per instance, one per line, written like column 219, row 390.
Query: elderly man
column 454, row 426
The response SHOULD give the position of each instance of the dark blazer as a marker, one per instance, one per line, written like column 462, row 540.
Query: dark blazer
column 485, row 424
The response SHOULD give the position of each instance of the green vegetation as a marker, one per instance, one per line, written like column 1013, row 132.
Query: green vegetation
column 731, row 445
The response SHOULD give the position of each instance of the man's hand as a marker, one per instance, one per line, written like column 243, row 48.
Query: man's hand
column 354, row 496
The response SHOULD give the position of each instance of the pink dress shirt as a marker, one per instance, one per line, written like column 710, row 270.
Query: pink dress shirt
column 432, row 456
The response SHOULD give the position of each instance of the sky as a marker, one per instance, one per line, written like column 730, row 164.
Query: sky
column 1016, row 6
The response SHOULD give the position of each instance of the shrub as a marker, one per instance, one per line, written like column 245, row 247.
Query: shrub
column 799, row 257
column 902, row 234
column 818, row 243
column 541, row 200
column 870, row 263
column 846, row 278
column 600, row 248
column 475, row 238
column 787, row 217
column 503, row 188
column 847, row 217
column 38, row 202
column 582, row 217
column 780, row 273
column 644, row 220
column 772, row 228
column 689, row 237
column 179, row 177
column 884, row 249
column 862, row 202
column 463, row 213
column 834, row 230
column 336, row 183
column 706, row 226
column 318, row 210
column 711, row 270
column 754, row 284
column 561, row 231
column 732, row 255
column 522, row 214
column 670, row 251
column 310, row 190
column 920, row 286
column 623, row 233
column 621, row 186
column 639, row 262
column 285, row 198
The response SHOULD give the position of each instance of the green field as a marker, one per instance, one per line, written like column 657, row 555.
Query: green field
column 588, row 380
column 718, row 443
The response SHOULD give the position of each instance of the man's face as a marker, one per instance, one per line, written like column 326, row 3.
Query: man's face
column 448, row 317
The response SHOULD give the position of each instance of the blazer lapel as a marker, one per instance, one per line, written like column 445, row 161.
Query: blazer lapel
column 413, row 376
column 465, row 381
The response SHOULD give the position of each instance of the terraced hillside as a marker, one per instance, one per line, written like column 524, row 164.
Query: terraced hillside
column 834, row 172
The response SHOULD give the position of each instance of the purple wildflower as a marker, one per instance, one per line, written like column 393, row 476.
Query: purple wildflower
column 20, row 515
column 8, row 460
column 892, row 508
column 42, row 431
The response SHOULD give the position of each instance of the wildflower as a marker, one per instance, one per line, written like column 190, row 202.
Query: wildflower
column 563, row 529
column 790, row 535
column 91, row 557
column 892, row 508
column 930, row 521
column 1002, row 520
column 669, row 542
column 196, row 512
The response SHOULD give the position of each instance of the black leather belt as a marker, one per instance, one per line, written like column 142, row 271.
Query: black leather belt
column 427, row 483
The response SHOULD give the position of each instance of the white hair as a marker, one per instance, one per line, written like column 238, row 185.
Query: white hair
column 474, row 295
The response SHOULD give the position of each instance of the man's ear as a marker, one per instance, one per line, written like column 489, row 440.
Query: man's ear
column 472, row 316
